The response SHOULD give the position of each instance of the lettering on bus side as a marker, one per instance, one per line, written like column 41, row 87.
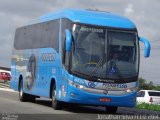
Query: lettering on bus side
column 89, row 29
column 115, row 85
column 79, row 81
column 48, row 57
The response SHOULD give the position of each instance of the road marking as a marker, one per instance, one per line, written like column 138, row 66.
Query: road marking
column 7, row 89
column 4, row 85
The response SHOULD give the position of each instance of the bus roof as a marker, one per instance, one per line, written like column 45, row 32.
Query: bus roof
column 90, row 17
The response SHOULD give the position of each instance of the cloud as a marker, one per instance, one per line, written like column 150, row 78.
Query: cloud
column 129, row 9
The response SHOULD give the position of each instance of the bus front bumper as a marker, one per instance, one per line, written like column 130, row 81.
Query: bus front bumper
column 79, row 96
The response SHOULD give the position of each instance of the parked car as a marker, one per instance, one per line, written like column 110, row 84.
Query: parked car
column 5, row 76
column 148, row 96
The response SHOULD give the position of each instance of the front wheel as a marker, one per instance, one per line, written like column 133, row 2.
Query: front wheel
column 57, row 105
column 111, row 109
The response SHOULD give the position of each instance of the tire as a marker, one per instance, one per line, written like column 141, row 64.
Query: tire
column 57, row 105
column 23, row 97
column 31, row 98
column 111, row 109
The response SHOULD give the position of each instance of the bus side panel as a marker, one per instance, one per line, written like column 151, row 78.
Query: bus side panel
column 50, row 68
column 54, row 75
column 16, row 68
column 13, row 82
column 47, row 67
column 36, row 60
column 30, row 71
column 14, row 77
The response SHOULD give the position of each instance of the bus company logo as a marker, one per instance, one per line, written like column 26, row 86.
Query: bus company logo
column 91, row 84
column 31, row 71
column 114, row 86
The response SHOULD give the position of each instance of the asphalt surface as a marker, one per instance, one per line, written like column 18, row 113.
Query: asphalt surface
column 11, row 107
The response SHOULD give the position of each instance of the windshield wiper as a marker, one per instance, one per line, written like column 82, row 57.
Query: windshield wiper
column 85, row 75
column 80, row 74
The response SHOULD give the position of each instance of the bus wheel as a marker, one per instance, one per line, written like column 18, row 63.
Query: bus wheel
column 31, row 98
column 22, row 96
column 111, row 109
column 57, row 105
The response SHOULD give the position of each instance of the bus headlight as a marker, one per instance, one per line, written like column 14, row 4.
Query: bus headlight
column 131, row 90
column 75, row 84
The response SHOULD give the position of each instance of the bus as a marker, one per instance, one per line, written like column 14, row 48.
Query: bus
column 78, row 56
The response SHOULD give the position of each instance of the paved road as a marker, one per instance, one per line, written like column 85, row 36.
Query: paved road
column 10, row 104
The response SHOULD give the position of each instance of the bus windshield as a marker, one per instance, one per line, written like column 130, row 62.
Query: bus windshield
column 104, row 54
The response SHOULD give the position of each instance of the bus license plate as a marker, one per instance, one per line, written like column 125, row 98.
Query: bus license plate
column 105, row 100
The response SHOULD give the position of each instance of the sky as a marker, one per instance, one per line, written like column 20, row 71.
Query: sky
column 144, row 13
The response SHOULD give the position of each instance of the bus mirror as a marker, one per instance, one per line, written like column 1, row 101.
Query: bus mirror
column 147, row 46
column 68, row 40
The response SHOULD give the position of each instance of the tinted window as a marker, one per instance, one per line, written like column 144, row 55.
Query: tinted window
column 138, row 94
column 154, row 94
column 141, row 94
column 41, row 35
column 122, row 55
column 89, row 57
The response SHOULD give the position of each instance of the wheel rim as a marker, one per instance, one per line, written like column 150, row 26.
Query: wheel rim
column 54, row 96
column 21, row 93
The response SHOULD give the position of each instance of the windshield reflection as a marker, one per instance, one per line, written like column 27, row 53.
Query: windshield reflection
column 99, row 53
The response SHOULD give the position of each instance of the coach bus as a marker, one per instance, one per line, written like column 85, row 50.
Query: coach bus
column 76, row 56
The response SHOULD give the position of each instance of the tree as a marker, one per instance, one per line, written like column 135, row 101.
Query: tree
column 157, row 87
column 143, row 85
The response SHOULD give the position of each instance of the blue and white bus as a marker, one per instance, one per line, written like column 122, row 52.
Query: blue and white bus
column 78, row 56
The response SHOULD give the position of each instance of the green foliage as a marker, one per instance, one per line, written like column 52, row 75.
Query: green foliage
column 148, row 106
column 156, row 88
column 143, row 85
